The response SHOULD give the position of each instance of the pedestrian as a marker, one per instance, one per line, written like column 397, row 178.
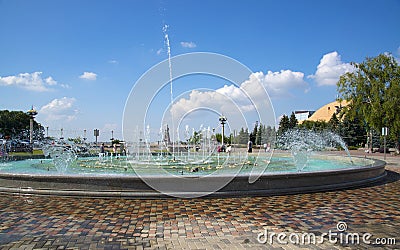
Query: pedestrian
column 250, row 146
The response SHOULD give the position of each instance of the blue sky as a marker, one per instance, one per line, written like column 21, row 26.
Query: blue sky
column 296, row 48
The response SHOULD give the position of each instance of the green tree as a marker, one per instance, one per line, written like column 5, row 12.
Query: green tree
column 259, row 134
column 284, row 124
column 196, row 137
column 243, row 136
column 314, row 125
column 253, row 134
column 373, row 92
column 227, row 140
column 334, row 123
column 352, row 131
column 292, row 121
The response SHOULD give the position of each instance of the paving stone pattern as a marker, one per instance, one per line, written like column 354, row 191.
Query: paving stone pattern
column 48, row 222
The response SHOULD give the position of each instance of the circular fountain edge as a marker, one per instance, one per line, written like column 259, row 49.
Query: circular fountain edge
column 135, row 187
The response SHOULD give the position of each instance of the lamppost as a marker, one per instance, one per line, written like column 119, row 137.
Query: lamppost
column 222, row 120
column 32, row 113
column 384, row 133
column 96, row 133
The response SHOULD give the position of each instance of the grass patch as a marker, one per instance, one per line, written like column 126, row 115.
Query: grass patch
column 35, row 152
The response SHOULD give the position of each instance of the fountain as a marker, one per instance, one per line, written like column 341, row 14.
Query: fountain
column 305, row 169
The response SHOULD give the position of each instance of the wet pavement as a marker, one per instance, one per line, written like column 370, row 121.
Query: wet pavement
column 334, row 218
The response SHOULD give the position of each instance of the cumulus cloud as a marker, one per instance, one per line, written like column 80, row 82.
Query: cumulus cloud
column 277, row 84
column 189, row 45
column 330, row 69
column 62, row 109
column 29, row 81
column 247, row 98
column 88, row 76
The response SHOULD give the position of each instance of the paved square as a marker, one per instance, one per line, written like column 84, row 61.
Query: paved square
column 45, row 222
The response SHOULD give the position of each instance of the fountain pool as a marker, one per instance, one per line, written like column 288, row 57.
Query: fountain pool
column 117, row 176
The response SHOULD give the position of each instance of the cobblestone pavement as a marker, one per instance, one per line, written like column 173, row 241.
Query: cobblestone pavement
column 44, row 222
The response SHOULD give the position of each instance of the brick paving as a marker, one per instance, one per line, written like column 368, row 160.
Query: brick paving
column 48, row 222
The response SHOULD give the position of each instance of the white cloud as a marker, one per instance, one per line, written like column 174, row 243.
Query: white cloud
column 62, row 109
column 159, row 51
column 113, row 61
column 277, row 84
column 189, row 45
column 29, row 81
column 330, row 69
column 250, row 95
column 88, row 76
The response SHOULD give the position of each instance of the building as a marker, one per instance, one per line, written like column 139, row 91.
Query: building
column 302, row 115
column 325, row 112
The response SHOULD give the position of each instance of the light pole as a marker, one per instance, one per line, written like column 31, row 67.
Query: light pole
column 96, row 133
column 222, row 120
column 384, row 133
column 32, row 113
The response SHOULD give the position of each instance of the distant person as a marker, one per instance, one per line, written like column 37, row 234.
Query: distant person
column 229, row 149
column 250, row 147
column 265, row 147
column 102, row 148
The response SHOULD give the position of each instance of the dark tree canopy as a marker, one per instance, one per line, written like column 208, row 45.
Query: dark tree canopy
column 15, row 124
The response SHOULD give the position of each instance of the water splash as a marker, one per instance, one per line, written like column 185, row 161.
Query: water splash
column 62, row 153
column 167, row 43
column 302, row 143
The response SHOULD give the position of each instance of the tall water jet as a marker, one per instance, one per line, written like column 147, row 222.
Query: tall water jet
column 167, row 43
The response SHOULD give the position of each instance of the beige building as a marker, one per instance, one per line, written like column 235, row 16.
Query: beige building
column 325, row 113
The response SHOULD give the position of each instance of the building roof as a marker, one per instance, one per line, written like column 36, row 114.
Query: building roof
column 325, row 112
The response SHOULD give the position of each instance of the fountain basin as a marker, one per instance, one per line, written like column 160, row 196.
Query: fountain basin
column 269, row 183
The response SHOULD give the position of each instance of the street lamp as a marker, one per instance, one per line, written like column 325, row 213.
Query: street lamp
column 32, row 113
column 222, row 120
column 96, row 133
